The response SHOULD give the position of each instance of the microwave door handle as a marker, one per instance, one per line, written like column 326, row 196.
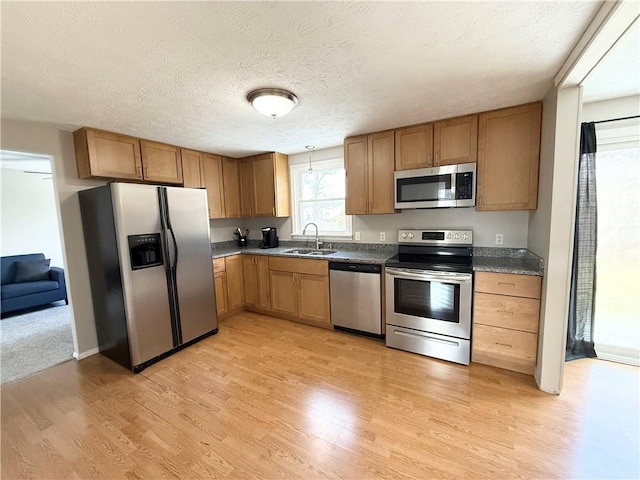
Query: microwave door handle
column 409, row 274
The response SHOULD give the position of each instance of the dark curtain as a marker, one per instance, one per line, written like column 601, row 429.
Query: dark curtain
column 583, row 275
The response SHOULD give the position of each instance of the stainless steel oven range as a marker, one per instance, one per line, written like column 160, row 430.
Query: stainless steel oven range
column 428, row 294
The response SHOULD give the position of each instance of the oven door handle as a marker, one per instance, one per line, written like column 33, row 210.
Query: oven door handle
column 431, row 276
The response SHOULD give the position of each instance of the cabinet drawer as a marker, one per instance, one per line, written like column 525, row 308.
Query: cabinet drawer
column 508, row 284
column 516, row 313
column 504, row 348
column 299, row 265
column 218, row 265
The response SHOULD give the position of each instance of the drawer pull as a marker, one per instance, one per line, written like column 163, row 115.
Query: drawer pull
column 504, row 344
column 507, row 312
column 507, row 284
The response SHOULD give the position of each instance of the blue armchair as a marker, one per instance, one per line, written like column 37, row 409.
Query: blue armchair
column 16, row 296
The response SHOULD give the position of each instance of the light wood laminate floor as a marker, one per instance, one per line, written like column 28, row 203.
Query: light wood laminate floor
column 267, row 398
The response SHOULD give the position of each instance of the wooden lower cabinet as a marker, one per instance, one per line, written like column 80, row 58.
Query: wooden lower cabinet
column 235, row 287
column 228, row 285
column 300, row 289
column 313, row 298
column 283, row 292
column 506, row 312
column 220, row 288
column 292, row 288
column 255, row 271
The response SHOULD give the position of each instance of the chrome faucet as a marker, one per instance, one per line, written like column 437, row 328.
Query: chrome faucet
column 318, row 241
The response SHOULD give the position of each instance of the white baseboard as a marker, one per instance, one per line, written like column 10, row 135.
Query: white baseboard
column 611, row 357
column 88, row 353
column 611, row 353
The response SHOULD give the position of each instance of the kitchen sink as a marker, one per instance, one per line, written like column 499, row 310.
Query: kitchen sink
column 309, row 251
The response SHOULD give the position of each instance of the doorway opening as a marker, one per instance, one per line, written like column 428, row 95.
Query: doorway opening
column 611, row 99
column 617, row 304
column 35, row 325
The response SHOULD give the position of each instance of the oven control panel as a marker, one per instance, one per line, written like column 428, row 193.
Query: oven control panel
column 436, row 237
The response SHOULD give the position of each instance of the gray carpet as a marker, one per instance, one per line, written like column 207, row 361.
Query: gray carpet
column 34, row 341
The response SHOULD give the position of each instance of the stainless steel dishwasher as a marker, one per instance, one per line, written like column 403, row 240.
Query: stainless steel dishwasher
column 356, row 297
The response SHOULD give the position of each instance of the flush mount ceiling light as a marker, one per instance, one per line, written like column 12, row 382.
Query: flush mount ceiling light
column 272, row 102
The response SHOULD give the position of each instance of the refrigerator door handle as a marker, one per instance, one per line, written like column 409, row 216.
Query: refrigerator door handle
column 165, row 221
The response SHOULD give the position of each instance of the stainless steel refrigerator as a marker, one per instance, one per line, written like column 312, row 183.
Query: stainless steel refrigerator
column 149, row 255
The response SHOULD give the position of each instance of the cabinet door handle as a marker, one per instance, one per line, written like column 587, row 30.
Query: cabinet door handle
column 507, row 284
column 504, row 345
column 145, row 171
column 428, row 159
column 139, row 170
column 436, row 158
column 506, row 312
column 273, row 210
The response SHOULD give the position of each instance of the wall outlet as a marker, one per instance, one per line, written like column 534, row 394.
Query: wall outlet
column 358, row 236
column 383, row 237
column 499, row 238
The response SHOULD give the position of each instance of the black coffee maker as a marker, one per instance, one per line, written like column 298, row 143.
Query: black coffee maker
column 269, row 237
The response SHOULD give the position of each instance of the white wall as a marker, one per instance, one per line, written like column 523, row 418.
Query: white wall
column 48, row 139
column 614, row 135
column 29, row 221
column 551, row 228
column 485, row 225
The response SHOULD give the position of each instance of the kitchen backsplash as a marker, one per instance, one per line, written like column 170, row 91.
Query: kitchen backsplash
column 485, row 225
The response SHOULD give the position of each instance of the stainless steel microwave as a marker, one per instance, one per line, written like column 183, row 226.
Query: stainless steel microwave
column 448, row 186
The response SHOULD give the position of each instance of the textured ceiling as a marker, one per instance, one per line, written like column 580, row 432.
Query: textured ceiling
column 179, row 72
column 618, row 73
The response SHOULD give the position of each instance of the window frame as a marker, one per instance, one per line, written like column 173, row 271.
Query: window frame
column 295, row 172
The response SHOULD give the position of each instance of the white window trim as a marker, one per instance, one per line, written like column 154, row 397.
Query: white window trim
column 296, row 230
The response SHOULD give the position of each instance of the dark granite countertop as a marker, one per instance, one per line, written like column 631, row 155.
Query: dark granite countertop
column 371, row 253
column 518, row 261
column 486, row 259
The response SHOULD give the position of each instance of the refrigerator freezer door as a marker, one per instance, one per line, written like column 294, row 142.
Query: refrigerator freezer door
column 189, row 218
column 136, row 211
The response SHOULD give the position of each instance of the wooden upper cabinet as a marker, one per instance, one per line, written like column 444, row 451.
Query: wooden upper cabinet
column 264, row 186
column 508, row 158
column 107, row 155
column 380, row 170
column 369, row 162
column 161, row 162
column 455, row 141
column 264, row 191
column 191, row 168
column 246, row 186
column 212, row 181
column 355, row 164
column 414, row 147
column 231, row 182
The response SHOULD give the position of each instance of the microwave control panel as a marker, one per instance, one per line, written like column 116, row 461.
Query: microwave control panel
column 464, row 185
